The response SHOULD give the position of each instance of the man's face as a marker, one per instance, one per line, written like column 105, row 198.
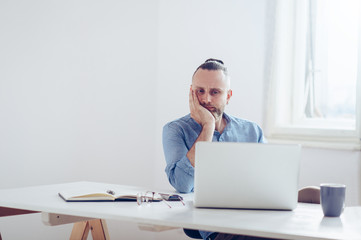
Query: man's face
column 212, row 90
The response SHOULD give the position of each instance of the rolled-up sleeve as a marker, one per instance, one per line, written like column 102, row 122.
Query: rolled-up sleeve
column 179, row 170
column 261, row 137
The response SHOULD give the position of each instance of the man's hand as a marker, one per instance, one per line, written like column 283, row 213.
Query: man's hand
column 199, row 113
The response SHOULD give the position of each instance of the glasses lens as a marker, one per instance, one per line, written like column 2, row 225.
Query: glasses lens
column 139, row 198
column 149, row 196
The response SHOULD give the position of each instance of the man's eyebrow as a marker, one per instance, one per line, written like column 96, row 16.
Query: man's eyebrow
column 218, row 89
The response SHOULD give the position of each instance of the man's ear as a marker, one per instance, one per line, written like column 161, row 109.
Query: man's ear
column 229, row 95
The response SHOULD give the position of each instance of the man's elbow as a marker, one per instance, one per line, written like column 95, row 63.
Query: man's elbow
column 182, row 187
column 186, row 189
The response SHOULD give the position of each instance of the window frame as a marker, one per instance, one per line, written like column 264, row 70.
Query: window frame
column 288, row 51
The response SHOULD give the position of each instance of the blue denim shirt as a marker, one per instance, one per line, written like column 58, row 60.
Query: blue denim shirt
column 180, row 135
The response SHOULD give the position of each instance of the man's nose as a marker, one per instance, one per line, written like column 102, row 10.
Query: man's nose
column 206, row 98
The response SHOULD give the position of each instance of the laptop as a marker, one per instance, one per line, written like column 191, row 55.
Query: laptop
column 246, row 175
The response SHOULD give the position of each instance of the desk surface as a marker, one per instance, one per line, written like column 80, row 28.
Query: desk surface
column 305, row 222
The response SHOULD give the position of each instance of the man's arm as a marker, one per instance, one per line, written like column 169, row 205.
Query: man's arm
column 205, row 118
column 206, row 135
column 179, row 170
column 178, row 154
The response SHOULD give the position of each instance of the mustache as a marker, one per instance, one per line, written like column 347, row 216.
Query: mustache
column 207, row 105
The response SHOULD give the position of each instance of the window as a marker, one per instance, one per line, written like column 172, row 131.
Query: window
column 314, row 81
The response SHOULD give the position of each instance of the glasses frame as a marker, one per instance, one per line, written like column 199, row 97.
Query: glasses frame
column 149, row 197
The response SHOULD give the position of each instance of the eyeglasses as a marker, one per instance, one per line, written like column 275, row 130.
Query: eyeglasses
column 149, row 197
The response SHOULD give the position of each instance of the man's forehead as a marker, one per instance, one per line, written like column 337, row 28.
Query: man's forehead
column 209, row 79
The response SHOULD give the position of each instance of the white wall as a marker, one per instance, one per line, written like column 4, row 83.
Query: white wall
column 336, row 166
column 86, row 86
column 77, row 82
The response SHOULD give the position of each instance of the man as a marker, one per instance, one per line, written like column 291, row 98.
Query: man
column 208, row 96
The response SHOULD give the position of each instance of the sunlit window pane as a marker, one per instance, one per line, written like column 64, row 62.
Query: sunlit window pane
column 331, row 69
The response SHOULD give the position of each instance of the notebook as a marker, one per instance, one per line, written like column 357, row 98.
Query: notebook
column 246, row 175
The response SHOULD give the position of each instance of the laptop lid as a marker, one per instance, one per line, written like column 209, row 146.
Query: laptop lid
column 246, row 175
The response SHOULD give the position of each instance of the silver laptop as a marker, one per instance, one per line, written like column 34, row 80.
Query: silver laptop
column 246, row 175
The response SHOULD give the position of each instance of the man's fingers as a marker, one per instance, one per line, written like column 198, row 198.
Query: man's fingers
column 195, row 99
column 191, row 100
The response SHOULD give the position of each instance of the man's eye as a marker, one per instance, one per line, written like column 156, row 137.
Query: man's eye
column 214, row 92
column 200, row 91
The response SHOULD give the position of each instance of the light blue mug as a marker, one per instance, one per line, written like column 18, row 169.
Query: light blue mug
column 332, row 199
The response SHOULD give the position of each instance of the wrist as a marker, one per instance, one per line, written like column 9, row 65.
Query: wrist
column 209, row 125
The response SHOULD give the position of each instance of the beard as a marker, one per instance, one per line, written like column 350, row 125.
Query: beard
column 216, row 112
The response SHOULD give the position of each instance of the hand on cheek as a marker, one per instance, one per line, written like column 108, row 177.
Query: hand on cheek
column 200, row 114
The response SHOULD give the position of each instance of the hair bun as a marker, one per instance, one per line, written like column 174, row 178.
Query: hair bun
column 214, row 60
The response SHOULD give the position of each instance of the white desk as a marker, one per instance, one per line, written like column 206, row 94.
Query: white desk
column 305, row 222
